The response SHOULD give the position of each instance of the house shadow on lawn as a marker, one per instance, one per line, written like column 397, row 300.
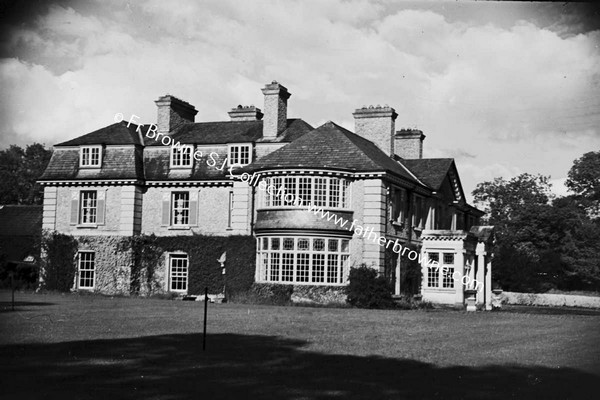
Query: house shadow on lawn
column 7, row 306
column 258, row 367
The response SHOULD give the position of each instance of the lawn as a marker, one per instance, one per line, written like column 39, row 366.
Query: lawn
column 94, row 347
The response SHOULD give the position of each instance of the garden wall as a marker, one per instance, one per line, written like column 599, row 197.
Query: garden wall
column 556, row 300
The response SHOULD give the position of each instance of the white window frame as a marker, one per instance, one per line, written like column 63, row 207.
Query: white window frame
column 82, row 207
column 176, row 210
column 180, row 149
column 185, row 275
column 271, row 258
column 81, row 271
column 444, row 283
column 89, row 163
column 237, row 162
column 343, row 193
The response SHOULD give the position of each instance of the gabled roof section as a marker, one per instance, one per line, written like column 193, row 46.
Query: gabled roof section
column 114, row 134
column 434, row 171
column 19, row 220
column 431, row 171
column 232, row 132
column 331, row 147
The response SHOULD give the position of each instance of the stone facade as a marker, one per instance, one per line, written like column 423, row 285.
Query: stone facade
column 143, row 187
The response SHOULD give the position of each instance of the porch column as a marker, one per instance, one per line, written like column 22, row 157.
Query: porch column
column 488, row 283
column 459, row 265
column 398, row 276
column 480, row 277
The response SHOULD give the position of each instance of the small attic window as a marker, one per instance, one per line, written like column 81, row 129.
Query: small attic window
column 181, row 156
column 240, row 154
column 90, row 156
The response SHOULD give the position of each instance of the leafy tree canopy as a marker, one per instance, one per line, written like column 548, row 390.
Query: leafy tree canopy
column 19, row 170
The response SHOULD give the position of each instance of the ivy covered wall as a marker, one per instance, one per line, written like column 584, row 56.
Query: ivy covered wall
column 138, row 264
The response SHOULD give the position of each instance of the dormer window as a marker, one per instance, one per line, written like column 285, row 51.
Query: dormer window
column 90, row 156
column 181, row 156
column 240, row 154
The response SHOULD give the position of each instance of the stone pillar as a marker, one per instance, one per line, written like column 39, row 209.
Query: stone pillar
column 480, row 277
column 459, row 265
column 488, row 283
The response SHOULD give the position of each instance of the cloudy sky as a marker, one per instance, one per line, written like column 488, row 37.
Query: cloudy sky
column 504, row 88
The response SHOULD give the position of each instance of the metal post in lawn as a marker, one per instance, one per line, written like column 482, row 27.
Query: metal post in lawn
column 205, row 311
column 12, row 285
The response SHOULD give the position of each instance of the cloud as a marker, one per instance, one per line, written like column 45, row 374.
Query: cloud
column 502, row 98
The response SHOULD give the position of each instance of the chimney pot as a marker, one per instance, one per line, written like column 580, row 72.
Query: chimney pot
column 245, row 113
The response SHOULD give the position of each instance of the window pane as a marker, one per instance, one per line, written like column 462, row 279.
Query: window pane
column 345, row 193
column 448, row 258
column 345, row 245
column 179, row 272
column 333, row 245
column 290, row 191
column 265, row 243
column 274, row 267
column 305, row 190
column 319, row 244
column 287, row 265
column 334, row 192
column 320, row 192
column 181, row 208
column 432, row 277
column 302, row 268
column 86, row 270
column 318, row 261
column 276, row 199
column 288, row 243
column 88, row 201
column 303, row 244
column 274, row 243
column 332, row 268
column 447, row 279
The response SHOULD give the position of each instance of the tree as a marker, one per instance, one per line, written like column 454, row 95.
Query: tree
column 584, row 180
column 19, row 171
column 541, row 242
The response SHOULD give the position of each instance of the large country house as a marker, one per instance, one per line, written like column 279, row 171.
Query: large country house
column 128, row 180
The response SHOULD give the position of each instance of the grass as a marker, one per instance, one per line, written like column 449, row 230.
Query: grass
column 89, row 347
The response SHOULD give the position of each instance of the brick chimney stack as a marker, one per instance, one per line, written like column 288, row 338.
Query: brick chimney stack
column 378, row 125
column 172, row 113
column 275, row 120
column 245, row 113
column 409, row 143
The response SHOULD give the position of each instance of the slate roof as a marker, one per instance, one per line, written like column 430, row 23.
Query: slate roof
column 430, row 171
column 157, row 167
column 331, row 146
column 232, row 132
column 18, row 220
column 114, row 134
column 117, row 163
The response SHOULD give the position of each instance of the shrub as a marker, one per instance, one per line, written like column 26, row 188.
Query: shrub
column 268, row 293
column 367, row 290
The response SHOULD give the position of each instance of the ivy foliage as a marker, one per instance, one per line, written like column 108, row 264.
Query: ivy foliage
column 59, row 261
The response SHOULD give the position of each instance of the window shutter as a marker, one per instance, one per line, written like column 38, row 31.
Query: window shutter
column 101, row 206
column 74, row 207
column 194, row 207
column 166, row 209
